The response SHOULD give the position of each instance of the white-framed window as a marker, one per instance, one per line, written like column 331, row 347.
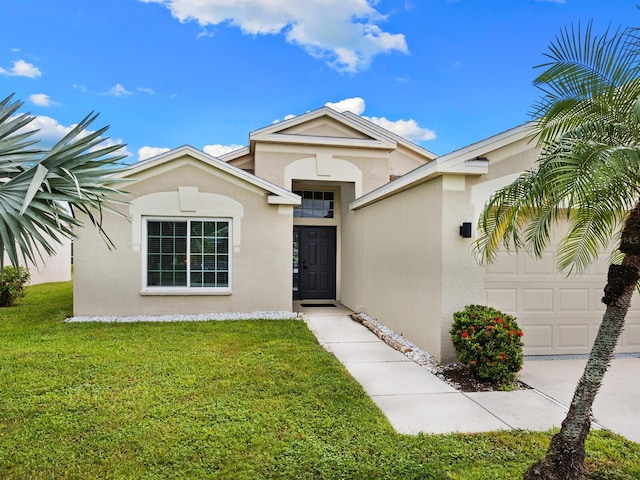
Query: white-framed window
column 187, row 254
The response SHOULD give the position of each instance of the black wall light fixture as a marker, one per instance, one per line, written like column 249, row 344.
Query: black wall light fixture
column 465, row 230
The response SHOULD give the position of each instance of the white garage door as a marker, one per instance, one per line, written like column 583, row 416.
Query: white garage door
column 558, row 315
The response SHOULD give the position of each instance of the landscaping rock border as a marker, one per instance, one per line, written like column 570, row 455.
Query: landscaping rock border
column 202, row 317
column 398, row 342
column 454, row 374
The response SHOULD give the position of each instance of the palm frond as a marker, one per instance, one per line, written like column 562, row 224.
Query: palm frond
column 42, row 189
column 587, row 125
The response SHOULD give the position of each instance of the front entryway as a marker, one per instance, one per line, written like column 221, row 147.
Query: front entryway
column 314, row 262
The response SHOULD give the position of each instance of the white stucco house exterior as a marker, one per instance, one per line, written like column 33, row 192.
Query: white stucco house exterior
column 328, row 207
column 50, row 268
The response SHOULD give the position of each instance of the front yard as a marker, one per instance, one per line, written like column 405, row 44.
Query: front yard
column 236, row 399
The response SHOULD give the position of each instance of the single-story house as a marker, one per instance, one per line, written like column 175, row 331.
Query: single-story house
column 328, row 206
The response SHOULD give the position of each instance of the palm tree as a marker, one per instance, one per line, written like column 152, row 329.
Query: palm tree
column 588, row 175
column 42, row 189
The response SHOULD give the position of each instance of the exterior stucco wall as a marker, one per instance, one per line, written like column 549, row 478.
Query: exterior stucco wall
column 110, row 282
column 505, row 164
column 54, row 268
column 321, row 127
column 408, row 266
column 403, row 160
column 244, row 162
column 272, row 160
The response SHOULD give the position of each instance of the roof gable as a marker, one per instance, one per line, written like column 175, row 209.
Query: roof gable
column 143, row 169
column 324, row 126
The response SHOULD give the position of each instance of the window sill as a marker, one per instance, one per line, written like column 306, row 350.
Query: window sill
column 185, row 292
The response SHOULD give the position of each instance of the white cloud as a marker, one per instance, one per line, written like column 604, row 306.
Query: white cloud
column 22, row 69
column 147, row 90
column 41, row 100
column 408, row 129
column 217, row 149
column 355, row 105
column 148, row 152
column 344, row 33
column 118, row 91
column 51, row 131
column 405, row 128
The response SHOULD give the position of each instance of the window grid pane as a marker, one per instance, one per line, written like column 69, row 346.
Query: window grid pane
column 167, row 254
column 315, row 204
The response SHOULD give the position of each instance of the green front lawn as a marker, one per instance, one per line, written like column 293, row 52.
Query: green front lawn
column 237, row 400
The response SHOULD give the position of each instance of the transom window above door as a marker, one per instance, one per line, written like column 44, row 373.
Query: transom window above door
column 315, row 204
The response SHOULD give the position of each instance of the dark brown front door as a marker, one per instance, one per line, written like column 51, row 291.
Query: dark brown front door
column 314, row 269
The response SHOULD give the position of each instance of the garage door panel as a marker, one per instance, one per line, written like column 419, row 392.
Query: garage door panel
column 504, row 264
column 539, row 338
column 601, row 265
column 558, row 314
column 536, row 300
column 504, row 299
column 635, row 303
column 573, row 337
column 538, row 266
column 631, row 337
column 596, row 295
column 573, row 300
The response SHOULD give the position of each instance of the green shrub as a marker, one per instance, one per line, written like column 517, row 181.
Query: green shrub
column 488, row 342
column 12, row 282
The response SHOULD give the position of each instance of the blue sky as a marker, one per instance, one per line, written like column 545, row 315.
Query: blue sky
column 165, row 73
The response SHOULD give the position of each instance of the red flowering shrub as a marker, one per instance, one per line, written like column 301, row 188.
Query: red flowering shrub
column 489, row 342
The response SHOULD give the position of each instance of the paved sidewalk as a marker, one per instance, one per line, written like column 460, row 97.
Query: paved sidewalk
column 415, row 400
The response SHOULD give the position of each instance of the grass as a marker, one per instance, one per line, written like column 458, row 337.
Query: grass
column 237, row 400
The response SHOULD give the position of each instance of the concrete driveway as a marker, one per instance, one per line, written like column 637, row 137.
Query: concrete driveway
column 617, row 406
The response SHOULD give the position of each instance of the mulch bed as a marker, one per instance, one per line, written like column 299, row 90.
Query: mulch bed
column 459, row 377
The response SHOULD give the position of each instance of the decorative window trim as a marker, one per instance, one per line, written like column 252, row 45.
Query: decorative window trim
column 186, row 202
column 323, row 167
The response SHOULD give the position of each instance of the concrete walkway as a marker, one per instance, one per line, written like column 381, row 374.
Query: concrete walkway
column 415, row 400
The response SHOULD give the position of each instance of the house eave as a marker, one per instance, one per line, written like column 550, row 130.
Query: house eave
column 285, row 196
column 280, row 200
column 474, row 167
column 284, row 138
column 409, row 145
column 241, row 152
column 469, row 160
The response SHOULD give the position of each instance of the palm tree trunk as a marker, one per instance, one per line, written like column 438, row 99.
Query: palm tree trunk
column 565, row 457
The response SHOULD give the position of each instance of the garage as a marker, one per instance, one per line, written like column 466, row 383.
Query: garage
column 558, row 314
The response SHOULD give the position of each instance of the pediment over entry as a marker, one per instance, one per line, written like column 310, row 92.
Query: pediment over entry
column 379, row 154
column 324, row 126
